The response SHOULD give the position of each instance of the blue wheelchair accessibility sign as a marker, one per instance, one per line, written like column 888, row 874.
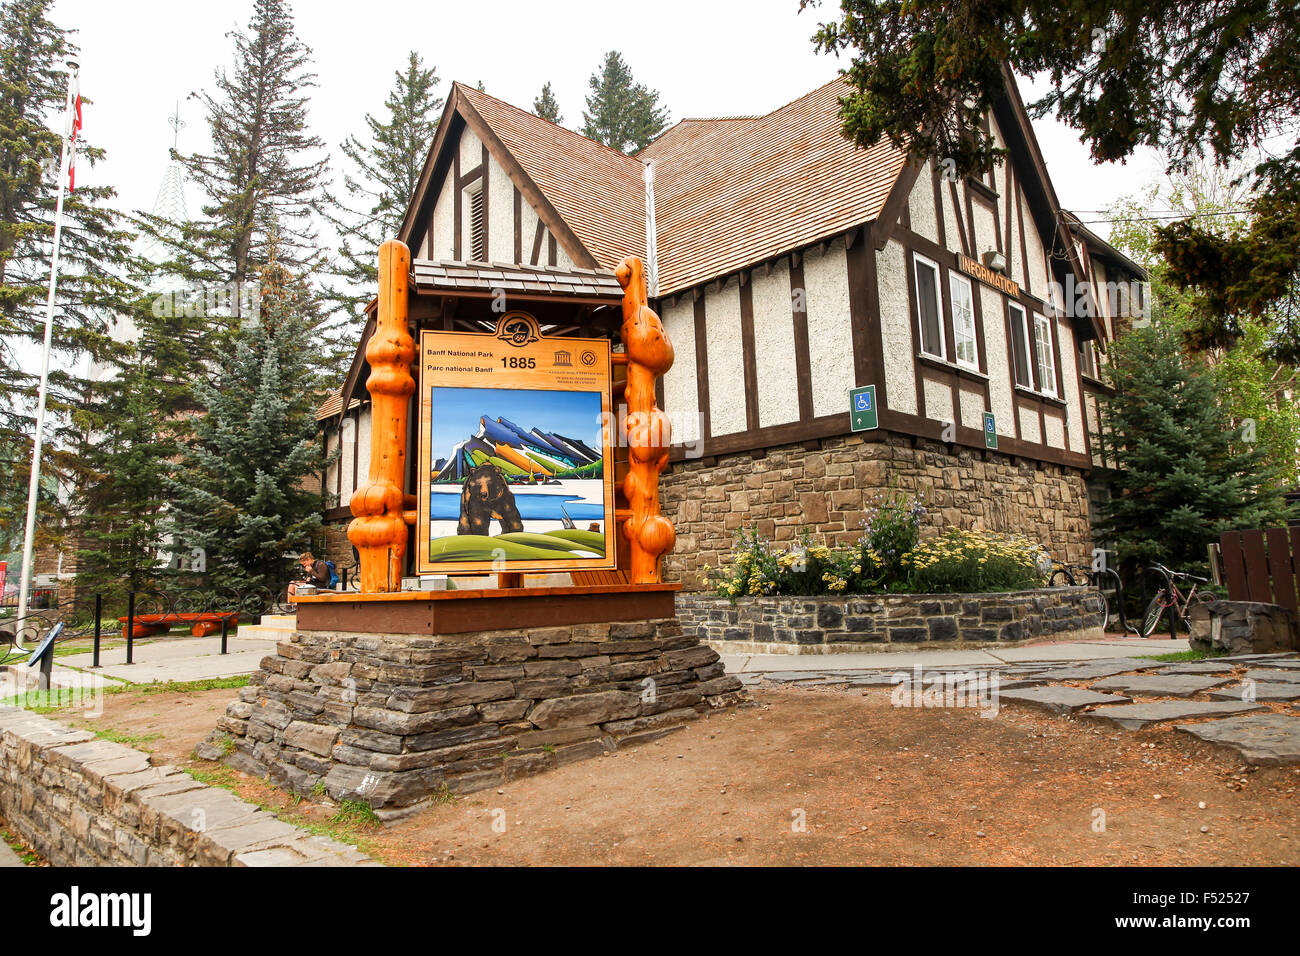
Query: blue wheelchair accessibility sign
column 862, row 408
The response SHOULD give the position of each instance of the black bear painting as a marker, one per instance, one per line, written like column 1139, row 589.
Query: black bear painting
column 486, row 496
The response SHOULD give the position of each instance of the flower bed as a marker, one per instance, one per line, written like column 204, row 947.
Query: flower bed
column 889, row 588
column 888, row 558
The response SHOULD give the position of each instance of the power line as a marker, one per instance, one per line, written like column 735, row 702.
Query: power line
column 1169, row 215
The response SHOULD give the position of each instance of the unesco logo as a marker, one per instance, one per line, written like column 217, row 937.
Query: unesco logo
column 587, row 358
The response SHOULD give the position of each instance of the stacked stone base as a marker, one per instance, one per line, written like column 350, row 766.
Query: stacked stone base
column 395, row 720
column 1242, row 627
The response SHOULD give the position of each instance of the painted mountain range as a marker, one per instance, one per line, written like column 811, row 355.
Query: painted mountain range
column 524, row 457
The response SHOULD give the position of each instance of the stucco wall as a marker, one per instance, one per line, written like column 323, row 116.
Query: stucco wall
column 778, row 386
column 681, row 397
column 895, row 327
column 830, row 331
column 726, row 360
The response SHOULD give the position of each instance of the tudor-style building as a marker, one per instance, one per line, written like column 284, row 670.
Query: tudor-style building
column 791, row 268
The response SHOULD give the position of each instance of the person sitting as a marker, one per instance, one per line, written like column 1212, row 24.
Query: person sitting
column 315, row 572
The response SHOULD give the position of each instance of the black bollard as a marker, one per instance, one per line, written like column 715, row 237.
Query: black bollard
column 99, row 610
column 225, row 631
column 130, row 628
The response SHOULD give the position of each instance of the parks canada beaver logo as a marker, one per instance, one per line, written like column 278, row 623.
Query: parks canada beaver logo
column 484, row 497
column 518, row 329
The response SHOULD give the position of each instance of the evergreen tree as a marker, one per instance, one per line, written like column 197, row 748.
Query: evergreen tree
column 243, row 488
column 95, row 255
column 131, row 443
column 1182, row 473
column 547, row 107
column 265, row 171
column 621, row 113
column 387, row 165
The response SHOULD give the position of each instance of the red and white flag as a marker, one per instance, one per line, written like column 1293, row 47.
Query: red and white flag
column 74, row 129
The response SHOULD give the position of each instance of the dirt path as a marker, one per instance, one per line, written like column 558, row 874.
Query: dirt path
column 868, row 783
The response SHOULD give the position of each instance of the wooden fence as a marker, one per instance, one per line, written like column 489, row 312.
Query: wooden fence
column 1262, row 566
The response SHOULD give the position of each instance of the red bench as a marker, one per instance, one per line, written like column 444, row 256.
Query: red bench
column 201, row 623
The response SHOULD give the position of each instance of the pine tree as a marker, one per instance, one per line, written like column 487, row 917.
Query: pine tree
column 243, row 488
column 621, row 113
column 95, row 256
column 1183, row 473
column 265, row 171
column 132, row 441
column 387, row 168
column 546, row 105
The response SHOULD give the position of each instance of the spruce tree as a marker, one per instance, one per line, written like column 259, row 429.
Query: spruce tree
column 121, row 506
column 546, row 106
column 621, row 113
column 95, row 256
column 387, row 165
column 1183, row 473
column 243, row 489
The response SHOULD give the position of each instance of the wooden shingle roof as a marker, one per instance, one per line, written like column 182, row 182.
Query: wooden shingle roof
column 733, row 192
column 598, row 191
column 729, row 191
column 448, row 276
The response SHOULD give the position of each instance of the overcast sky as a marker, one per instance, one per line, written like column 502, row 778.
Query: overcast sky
column 706, row 58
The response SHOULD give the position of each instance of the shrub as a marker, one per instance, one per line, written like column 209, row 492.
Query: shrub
column 974, row 561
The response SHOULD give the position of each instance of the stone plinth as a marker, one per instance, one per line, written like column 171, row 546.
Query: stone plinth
column 393, row 720
column 1243, row 627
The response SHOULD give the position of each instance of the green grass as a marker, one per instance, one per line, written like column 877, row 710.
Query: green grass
column 48, row 702
column 228, row 779
column 1181, row 656
column 117, row 737
column 354, row 813
column 27, row 856
column 443, row 795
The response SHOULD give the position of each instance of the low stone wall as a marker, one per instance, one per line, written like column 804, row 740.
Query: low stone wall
column 856, row 623
column 393, row 719
column 1243, row 627
column 81, row 801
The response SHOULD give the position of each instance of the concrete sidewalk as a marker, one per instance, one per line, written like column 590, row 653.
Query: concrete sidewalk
column 991, row 657
column 8, row 857
column 177, row 659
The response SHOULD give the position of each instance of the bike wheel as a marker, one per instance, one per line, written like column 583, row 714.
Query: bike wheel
column 1105, row 608
column 1155, row 611
column 1061, row 578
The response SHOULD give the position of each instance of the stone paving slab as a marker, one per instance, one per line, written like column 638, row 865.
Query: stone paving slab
column 1272, row 675
column 1262, row 690
column 1058, row 700
column 8, row 857
column 1093, row 670
column 1159, row 685
column 1141, row 714
column 1280, row 655
column 1198, row 667
column 1267, row 740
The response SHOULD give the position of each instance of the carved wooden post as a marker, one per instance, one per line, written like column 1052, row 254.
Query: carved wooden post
column 649, row 354
column 379, row 531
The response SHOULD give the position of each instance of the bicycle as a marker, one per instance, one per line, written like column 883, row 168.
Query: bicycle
column 1169, row 596
column 1069, row 575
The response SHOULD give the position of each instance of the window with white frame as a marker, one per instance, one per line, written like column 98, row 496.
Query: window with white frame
column 963, row 321
column 929, row 310
column 1020, row 344
column 1046, row 356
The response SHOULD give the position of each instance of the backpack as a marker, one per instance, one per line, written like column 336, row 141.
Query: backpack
column 334, row 575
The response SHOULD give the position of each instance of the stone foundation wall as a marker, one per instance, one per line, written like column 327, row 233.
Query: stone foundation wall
column 797, row 625
column 828, row 489
column 81, row 801
column 392, row 720
column 1243, row 627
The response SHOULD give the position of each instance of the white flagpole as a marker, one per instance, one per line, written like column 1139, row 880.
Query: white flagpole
column 33, row 486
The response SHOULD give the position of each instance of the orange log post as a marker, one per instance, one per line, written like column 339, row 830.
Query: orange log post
column 379, row 529
column 649, row 354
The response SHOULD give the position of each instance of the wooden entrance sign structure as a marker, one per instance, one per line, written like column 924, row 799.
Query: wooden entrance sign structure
column 385, row 508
